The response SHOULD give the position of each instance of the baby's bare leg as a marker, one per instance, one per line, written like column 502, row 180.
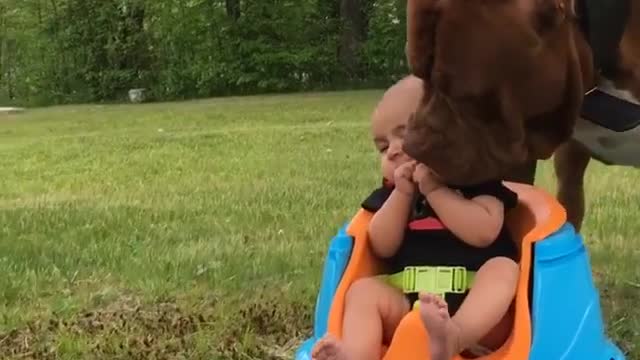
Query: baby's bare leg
column 493, row 291
column 482, row 310
column 372, row 312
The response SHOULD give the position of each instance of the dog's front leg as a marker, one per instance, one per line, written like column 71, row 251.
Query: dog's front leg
column 570, row 164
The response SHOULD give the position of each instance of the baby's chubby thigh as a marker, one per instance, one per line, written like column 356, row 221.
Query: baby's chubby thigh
column 502, row 271
column 497, row 277
column 378, row 299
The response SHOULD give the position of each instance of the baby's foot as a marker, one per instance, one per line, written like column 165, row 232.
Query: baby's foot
column 442, row 331
column 328, row 348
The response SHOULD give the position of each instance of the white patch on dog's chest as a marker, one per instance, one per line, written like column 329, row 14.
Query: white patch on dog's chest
column 607, row 86
column 607, row 145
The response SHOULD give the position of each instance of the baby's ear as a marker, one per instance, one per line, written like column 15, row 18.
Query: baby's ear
column 422, row 17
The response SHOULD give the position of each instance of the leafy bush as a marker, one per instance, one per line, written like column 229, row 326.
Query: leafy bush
column 95, row 50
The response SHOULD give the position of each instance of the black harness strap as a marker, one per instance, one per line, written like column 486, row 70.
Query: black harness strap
column 603, row 23
column 610, row 112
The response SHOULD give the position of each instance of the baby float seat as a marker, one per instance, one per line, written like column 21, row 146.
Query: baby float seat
column 557, row 307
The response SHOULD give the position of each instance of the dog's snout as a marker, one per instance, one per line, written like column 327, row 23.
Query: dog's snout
column 442, row 81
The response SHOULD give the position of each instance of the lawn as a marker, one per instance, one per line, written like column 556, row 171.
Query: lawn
column 198, row 229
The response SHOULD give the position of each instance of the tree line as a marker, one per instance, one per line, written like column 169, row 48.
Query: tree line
column 74, row 51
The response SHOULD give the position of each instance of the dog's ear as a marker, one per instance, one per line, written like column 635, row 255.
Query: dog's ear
column 422, row 18
column 512, row 128
column 545, row 133
column 546, row 15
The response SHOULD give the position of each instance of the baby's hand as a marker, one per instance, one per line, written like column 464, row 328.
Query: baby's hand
column 403, row 178
column 426, row 179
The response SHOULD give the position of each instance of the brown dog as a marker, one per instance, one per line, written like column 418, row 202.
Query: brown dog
column 505, row 81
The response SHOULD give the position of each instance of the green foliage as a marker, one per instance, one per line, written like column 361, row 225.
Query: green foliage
column 384, row 49
column 62, row 51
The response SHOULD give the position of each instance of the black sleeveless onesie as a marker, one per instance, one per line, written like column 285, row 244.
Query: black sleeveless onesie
column 428, row 243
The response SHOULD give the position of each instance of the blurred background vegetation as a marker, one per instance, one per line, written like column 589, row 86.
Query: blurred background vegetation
column 78, row 51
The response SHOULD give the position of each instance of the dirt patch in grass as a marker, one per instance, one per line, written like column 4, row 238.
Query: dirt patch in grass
column 129, row 329
column 620, row 303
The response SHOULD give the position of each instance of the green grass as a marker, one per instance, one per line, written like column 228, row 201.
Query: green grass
column 198, row 229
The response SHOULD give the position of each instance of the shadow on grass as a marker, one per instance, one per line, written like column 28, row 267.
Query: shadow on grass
column 261, row 327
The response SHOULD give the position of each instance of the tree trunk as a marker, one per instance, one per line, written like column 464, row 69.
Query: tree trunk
column 3, row 50
column 354, row 32
column 233, row 8
column 10, row 49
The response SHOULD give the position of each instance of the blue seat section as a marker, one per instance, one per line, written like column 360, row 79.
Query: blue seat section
column 335, row 264
column 566, row 314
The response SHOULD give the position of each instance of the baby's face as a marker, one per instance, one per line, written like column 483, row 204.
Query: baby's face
column 388, row 130
column 390, row 120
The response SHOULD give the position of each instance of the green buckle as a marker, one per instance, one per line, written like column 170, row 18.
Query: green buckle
column 435, row 279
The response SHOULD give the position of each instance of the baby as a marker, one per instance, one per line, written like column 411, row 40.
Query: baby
column 420, row 221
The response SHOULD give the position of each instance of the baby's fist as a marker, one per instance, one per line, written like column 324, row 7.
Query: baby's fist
column 403, row 178
column 426, row 179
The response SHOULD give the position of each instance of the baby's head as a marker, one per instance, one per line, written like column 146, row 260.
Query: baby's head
column 389, row 122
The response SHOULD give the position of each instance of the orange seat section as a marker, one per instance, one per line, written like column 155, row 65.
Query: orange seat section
column 537, row 216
